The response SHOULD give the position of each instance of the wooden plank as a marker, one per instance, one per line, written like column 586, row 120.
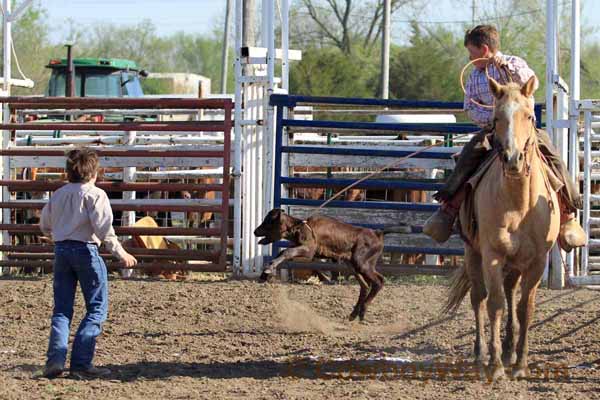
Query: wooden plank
column 374, row 217
column 422, row 240
column 387, row 218
column 335, row 160
column 422, row 175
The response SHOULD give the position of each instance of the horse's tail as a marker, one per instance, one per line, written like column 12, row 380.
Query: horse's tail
column 460, row 284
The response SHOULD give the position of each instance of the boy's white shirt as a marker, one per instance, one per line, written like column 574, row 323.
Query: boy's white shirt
column 82, row 212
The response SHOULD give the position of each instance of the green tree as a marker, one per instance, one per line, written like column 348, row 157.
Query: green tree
column 428, row 67
column 329, row 72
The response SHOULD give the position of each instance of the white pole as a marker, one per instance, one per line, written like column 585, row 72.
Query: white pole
column 574, row 85
column 587, row 181
column 128, row 217
column 285, row 45
column 550, row 39
column 385, row 50
column 237, row 144
column 225, row 52
column 550, row 71
column 4, row 165
column 269, row 121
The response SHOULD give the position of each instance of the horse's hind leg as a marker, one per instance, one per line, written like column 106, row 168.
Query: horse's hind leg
column 478, row 295
column 509, row 345
column 529, row 283
column 492, row 273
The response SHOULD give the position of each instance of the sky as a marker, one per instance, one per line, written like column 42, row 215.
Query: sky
column 207, row 16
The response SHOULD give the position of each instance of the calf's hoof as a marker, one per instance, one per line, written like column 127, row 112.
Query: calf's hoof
column 266, row 276
column 354, row 313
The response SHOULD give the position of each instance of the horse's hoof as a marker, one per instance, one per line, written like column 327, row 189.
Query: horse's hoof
column 497, row 373
column 353, row 316
column 509, row 359
column 481, row 360
column 520, row 373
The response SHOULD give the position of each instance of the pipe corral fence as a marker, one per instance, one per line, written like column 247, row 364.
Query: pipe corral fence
column 139, row 158
column 354, row 147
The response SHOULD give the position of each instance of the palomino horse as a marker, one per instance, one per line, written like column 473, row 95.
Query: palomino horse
column 518, row 220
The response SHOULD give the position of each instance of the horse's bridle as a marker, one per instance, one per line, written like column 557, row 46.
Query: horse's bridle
column 526, row 153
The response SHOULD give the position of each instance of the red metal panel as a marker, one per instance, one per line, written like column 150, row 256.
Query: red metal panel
column 124, row 230
column 176, row 126
column 225, row 195
column 43, row 186
column 116, row 153
column 207, row 267
column 16, row 102
column 219, row 259
column 24, row 205
column 181, row 253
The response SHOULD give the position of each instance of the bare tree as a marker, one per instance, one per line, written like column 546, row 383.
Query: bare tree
column 345, row 23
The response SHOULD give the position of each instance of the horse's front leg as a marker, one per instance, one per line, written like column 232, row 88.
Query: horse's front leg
column 492, row 273
column 529, row 284
column 509, row 345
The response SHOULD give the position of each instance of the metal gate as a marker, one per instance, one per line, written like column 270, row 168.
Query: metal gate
column 181, row 144
column 589, row 273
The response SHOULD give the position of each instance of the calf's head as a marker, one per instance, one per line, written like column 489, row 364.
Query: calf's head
column 272, row 228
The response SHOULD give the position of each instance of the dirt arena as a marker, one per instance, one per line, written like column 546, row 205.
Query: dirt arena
column 237, row 339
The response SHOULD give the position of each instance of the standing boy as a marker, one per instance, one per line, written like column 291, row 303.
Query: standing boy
column 79, row 218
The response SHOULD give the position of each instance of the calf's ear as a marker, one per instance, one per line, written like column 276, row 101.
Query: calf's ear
column 277, row 213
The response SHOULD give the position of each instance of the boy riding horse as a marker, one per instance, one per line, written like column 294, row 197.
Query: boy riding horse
column 483, row 42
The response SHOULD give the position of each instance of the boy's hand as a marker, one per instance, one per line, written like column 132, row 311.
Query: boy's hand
column 498, row 61
column 129, row 260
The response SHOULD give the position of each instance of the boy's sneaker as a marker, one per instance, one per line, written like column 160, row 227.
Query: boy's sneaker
column 53, row 370
column 90, row 373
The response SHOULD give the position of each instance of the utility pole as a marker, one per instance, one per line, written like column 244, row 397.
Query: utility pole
column 248, row 29
column 474, row 11
column 225, row 53
column 249, row 32
column 385, row 50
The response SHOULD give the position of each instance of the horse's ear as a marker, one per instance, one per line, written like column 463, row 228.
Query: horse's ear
column 529, row 87
column 496, row 88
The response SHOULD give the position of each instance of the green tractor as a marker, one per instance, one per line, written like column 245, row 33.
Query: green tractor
column 96, row 77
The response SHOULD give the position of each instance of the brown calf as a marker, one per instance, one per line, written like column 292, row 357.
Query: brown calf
column 322, row 236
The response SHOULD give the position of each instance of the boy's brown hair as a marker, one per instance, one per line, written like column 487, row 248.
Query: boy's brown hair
column 82, row 165
column 483, row 34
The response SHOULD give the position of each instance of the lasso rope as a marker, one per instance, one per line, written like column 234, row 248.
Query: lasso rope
column 506, row 79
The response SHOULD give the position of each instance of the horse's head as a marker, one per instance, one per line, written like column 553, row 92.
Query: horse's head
column 514, row 121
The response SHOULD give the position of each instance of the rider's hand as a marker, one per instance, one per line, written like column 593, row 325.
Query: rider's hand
column 498, row 61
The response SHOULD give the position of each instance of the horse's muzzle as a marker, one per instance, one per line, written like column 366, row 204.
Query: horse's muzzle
column 513, row 163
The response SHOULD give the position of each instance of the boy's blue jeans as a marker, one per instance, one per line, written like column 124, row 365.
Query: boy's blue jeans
column 77, row 262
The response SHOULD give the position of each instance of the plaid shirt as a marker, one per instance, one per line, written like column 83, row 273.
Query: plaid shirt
column 478, row 89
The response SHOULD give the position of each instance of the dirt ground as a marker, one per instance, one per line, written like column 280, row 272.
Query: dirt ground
column 241, row 339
